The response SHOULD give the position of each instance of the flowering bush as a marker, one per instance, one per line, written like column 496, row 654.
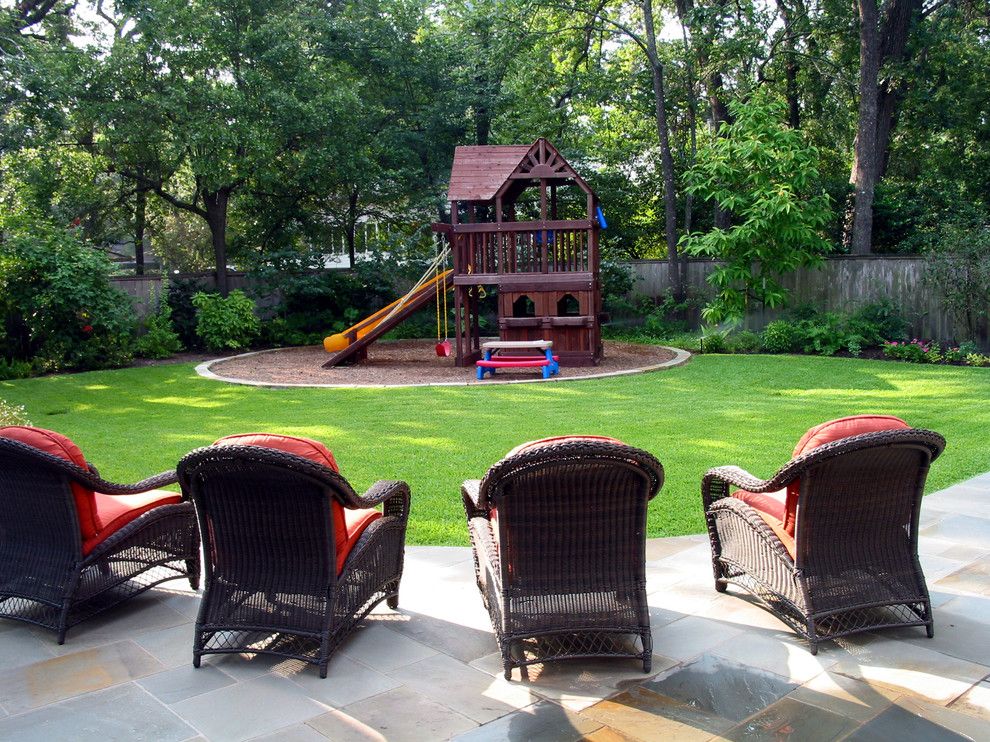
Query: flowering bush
column 915, row 351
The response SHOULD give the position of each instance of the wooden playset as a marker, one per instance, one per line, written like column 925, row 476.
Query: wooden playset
column 524, row 222
column 539, row 250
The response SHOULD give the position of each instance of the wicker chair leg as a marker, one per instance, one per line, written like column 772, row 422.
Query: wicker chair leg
column 647, row 638
column 930, row 629
column 393, row 601
column 197, row 658
column 192, row 568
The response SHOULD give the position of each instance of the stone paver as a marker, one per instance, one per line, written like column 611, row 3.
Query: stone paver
column 723, row 668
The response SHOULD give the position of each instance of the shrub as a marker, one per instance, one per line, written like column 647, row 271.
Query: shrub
column 160, row 339
column 15, row 369
column 714, row 340
column 778, row 337
column 180, row 303
column 878, row 322
column 746, row 341
column 226, row 323
column 916, row 351
column 977, row 359
column 960, row 270
column 57, row 303
column 11, row 414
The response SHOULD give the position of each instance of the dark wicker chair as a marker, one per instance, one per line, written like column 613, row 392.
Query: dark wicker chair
column 852, row 564
column 558, row 530
column 272, row 583
column 53, row 577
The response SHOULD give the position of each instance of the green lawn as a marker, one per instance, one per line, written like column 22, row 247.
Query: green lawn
column 746, row 410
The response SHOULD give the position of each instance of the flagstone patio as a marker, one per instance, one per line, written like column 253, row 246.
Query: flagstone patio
column 723, row 667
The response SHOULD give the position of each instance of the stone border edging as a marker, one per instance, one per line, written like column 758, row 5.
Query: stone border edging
column 203, row 369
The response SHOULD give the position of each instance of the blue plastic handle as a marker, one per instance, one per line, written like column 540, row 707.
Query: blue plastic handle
column 601, row 218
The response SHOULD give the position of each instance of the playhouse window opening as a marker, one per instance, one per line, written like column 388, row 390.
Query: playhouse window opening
column 568, row 306
column 523, row 307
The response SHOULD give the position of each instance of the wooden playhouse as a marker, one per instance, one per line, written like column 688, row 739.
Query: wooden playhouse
column 523, row 221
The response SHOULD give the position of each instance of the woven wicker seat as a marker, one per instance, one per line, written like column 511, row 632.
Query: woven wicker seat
column 558, row 532
column 272, row 584
column 853, row 563
column 50, row 575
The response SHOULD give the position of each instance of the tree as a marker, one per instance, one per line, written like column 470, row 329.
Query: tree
column 765, row 175
column 198, row 102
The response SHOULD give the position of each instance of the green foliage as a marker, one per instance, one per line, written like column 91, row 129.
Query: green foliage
column 714, row 340
column 959, row 269
column 11, row 414
column 183, row 312
column 160, row 340
column 746, row 341
column 779, row 336
column 616, row 281
column 765, row 175
column 915, row 351
column 57, row 304
column 977, row 359
column 226, row 323
column 14, row 369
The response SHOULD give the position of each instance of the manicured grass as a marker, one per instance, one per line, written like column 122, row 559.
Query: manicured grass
column 745, row 410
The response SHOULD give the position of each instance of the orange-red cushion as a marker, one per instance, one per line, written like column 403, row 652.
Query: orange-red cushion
column 345, row 535
column 355, row 522
column 530, row 445
column 771, row 503
column 844, row 427
column 113, row 512
column 57, row 444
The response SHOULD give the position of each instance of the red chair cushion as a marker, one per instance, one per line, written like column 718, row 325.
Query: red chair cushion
column 530, row 445
column 113, row 512
column 845, row 427
column 771, row 503
column 355, row 521
column 348, row 524
column 57, row 444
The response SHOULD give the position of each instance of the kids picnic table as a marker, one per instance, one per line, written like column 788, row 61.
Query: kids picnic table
column 493, row 359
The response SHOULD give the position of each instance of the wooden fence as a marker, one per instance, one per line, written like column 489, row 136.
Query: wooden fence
column 843, row 283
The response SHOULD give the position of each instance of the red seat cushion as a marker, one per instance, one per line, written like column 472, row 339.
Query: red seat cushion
column 348, row 524
column 57, row 444
column 771, row 503
column 113, row 512
column 530, row 445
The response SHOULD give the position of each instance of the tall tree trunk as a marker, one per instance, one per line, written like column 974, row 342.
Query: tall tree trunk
column 864, row 172
column 790, row 66
column 900, row 18
column 666, row 158
column 692, row 110
column 140, row 220
column 216, row 216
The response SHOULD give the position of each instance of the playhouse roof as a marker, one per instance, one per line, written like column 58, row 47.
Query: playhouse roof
column 479, row 173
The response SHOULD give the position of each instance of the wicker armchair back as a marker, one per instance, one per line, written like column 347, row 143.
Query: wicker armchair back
column 855, row 565
column 45, row 578
column 559, row 537
column 271, row 580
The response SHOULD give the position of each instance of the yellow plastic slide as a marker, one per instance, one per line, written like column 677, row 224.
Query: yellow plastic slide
column 341, row 340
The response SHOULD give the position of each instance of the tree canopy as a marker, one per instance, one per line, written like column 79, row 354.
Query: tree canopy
column 229, row 132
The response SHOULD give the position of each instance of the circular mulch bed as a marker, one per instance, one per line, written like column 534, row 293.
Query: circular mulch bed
column 413, row 362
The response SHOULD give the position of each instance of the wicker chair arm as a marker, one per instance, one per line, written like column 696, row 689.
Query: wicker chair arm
column 394, row 493
column 756, row 524
column 471, row 494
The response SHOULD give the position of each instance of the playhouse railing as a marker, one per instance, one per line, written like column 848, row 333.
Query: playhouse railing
column 523, row 247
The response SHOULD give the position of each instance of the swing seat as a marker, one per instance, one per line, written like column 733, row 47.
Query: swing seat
column 443, row 349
